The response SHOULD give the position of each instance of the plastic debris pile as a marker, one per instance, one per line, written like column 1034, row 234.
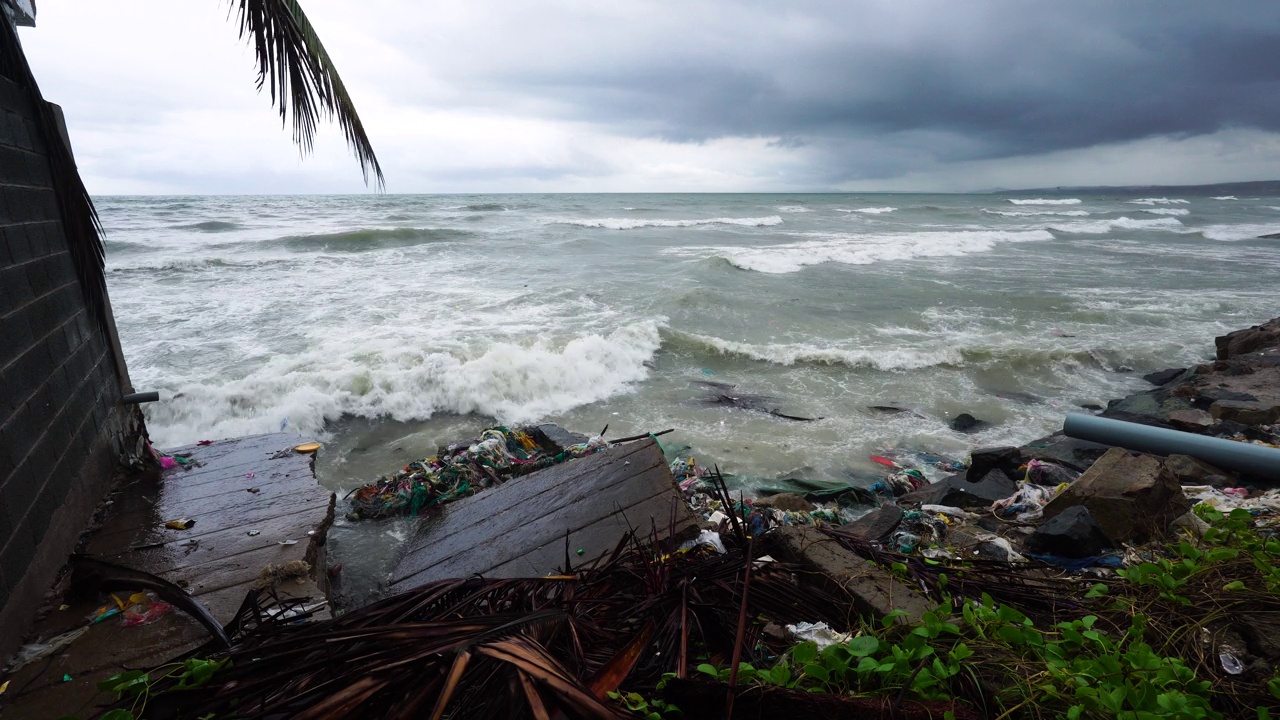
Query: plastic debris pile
column 500, row 454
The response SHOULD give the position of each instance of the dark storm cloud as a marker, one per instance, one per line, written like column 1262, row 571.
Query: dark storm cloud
column 961, row 81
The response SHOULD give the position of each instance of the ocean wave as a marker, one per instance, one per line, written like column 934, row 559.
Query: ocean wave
column 805, row 354
column 868, row 210
column 512, row 383
column 1035, row 213
column 180, row 265
column 1159, row 201
column 1045, row 201
column 1167, row 211
column 860, row 249
column 1093, row 227
column 1225, row 197
column 632, row 223
column 362, row 240
column 1234, row 233
column 212, row 226
column 485, row 207
column 793, row 209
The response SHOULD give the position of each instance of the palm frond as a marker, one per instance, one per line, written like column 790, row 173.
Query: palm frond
column 301, row 77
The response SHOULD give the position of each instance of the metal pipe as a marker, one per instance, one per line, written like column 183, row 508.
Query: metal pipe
column 1258, row 460
column 142, row 397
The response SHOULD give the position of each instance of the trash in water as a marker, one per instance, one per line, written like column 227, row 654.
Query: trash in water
column 253, row 533
column 180, row 524
column 287, row 542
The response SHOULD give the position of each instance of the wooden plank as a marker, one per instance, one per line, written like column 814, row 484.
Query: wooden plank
column 593, row 499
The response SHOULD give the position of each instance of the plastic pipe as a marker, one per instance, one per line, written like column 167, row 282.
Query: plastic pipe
column 1258, row 460
column 142, row 397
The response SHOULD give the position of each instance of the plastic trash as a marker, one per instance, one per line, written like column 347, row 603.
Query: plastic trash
column 180, row 524
column 145, row 612
column 32, row 652
column 818, row 633
column 1230, row 663
column 904, row 541
column 712, row 538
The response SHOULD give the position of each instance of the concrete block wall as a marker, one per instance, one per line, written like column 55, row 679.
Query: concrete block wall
column 62, row 425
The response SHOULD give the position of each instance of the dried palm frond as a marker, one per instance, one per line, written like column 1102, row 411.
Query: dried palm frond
column 302, row 79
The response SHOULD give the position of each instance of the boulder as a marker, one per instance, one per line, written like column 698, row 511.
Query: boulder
column 1192, row 420
column 1061, row 450
column 1242, row 342
column 1190, row 471
column 875, row 525
column 1246, row 412
column 1163, row 377
column 984, row 460
column 957, row 491
column 1071, row 533
column 555, row 439
column 1132, row 496
column 785, row 501
column 966, row 423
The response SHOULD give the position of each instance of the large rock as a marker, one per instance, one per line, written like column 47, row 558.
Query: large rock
column 1072, row 533
column 1190, row 471
column 966, row 423
column 873, row 590
column 1163, row 377
column 876, row 524
column 957, row 491
column 1246, row 412
column 1132, row 496
column 1242, row 342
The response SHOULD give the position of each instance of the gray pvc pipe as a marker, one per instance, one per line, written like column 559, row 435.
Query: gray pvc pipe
column 1256, row 460
column 142, row 397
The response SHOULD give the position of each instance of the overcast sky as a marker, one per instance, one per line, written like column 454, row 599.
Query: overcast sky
column 597, row 95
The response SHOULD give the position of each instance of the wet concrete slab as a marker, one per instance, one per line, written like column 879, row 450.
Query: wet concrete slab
column 518, row 529
column 249, row 498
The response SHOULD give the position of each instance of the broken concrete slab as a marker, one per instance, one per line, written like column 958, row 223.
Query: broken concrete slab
column 875, row 525
column 1073, row 533
column 956, row 491
column 519, row 528
column 874, row 591
column 1132, row 496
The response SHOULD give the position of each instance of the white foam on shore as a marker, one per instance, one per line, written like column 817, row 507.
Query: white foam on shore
column 868, row 210
column 1094, row 227
column 788, row 354
column 512, row 382
column 1235, row 233
column 633, row 223
column 1045, row 201
column 1159, row 201
column 1167, row 211
column 1036, row 213
column 853, row 249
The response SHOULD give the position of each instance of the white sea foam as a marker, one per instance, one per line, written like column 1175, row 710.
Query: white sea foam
column 1225, row 197
column 1168, row 211
column 793, row 353
column 633, row 223
column 853, row 249
column 1034, row 213
column 511, row 382
column 1159, row 201
column 793, row 209
column 1045, row 201
column 1093, row 227
column 868, row 210
column 1244, row 231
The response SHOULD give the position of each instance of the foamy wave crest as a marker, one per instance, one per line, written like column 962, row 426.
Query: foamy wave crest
column 1045, row 201
column 860, row 249
column 1225, row 197
column 513, row 383
column 793, row 209
column 801, row 353
column 1034, row 213
column 1159, row 201
column 1168, row 211
column 1234, row 233
column 868, row 210
column 1095, row 227
column 633, row 223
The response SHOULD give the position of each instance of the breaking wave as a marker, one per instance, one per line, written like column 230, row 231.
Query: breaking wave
column 512, row 383
column 1034, row 213
column 1159, row 201
column 1225, row 197
column 362, row 240
column 211, row 226
column 1235, row 233
column 1045, row 201
column 1168, row 211
column 860, row 249
column 1093, row 227
column 801, row 353
column 868, row 210
column 632, row 223
column 793, row 209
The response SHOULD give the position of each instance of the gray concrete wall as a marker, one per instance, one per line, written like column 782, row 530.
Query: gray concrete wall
column 62, row 426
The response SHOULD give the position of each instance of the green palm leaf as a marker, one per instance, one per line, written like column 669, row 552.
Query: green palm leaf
column 303, row 81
